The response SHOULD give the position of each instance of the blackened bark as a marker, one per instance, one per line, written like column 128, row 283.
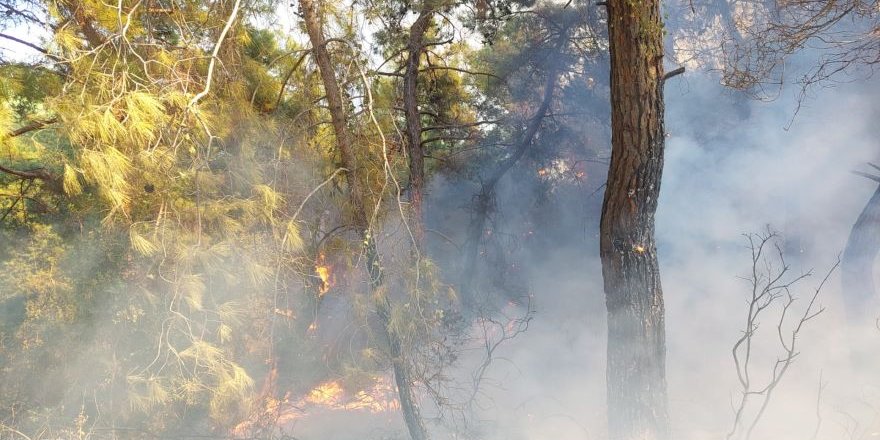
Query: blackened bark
column 857, row 277
column 414, row 150
column 636, row 376
column 358, row 199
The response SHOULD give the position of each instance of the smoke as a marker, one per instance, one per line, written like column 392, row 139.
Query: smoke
column 756, row 173
column 733, row 166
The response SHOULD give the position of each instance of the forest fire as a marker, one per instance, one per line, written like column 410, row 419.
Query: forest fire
column 326, row 396
column 323, row 269
column 562, row 170
column 424, row 219
column 331, row 395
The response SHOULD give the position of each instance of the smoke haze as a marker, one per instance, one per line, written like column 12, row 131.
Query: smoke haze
column 733, row 166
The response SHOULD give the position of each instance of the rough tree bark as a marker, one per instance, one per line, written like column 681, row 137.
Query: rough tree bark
column 358, row 198
column 862, row 247
column 636, row 382
column 415, row 46
column 315, row 28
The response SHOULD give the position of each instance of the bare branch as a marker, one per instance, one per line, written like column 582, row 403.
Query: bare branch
column 38, row 173
column 867, row 176
column 769, row 283
column 673, row 73
column 35, row 125
column 223, row 33
column 459, row 69
column 28, row 44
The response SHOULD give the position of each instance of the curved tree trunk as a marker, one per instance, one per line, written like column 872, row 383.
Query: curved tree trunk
column 484, row 199
column 636, row 368
column 357, row 196
column 857, row 277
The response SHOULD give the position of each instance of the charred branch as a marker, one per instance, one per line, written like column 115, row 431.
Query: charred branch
column 770, row 283
column 673, row 73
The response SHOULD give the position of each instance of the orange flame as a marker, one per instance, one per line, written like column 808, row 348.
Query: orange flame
column 327, row 396
column 325, row 274
column 331, row 395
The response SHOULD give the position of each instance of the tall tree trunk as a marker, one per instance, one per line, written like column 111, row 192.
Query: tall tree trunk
column 415, row 46
column 414, row 149
column 402, row 378
column 315, row 28
column 636, row 376
column 357, row 196
column 857, row 277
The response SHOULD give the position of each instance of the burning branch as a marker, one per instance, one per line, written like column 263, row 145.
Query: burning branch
column 325, row 273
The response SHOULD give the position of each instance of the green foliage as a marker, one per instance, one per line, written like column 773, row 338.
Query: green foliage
column 26, row 88
column 163, row 262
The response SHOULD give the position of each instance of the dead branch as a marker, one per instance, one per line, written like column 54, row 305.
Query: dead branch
column 460, row 70
column 673, row 73
column 866, row 175
column 37, row 173
column 35, row 125
column 33, row 46
column 771, row 283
